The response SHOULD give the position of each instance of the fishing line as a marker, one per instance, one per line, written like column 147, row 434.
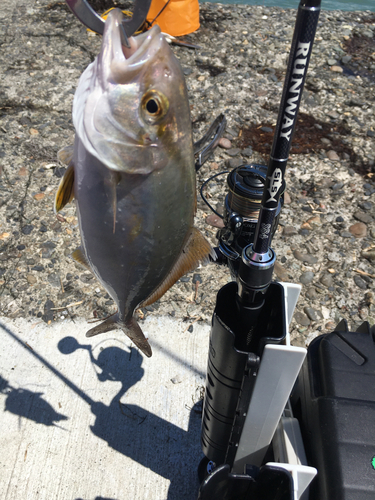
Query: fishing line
column 205, row 199
column 152, row 22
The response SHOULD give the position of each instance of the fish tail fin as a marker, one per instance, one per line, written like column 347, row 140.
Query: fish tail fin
column 130, row 328
column 134, row 332
column 109, row 324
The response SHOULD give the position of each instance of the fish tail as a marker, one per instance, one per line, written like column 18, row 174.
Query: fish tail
column 130, row 328
column 134, row 332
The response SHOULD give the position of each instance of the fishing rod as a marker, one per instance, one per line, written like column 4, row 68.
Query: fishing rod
column 247, row 359
column 258, row 259
column 255, row 192
column 304, row 33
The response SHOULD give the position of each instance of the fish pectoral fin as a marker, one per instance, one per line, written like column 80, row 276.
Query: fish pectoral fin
column 130, row 328
column 65, row 191
column 65, row 155
column 79, row 256
column 197, row 249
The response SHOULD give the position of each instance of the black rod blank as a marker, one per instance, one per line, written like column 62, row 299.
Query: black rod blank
column 300, row 52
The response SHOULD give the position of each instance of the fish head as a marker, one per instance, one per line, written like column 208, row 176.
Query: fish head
column 131, row 108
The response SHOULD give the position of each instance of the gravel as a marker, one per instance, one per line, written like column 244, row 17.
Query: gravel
column 325, row 239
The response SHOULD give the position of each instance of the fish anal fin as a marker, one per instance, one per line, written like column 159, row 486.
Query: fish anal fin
column 197, row 249
column 65, row 155
column 65, row 191
column 79, row 256
column 130, row 328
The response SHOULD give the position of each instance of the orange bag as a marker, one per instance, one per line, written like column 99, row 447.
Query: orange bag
column 180, row 17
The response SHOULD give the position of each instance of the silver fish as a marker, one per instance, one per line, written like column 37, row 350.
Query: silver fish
column 132, row 174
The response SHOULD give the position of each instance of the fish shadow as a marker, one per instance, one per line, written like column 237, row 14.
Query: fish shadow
column 29, row 404
column 146, row 438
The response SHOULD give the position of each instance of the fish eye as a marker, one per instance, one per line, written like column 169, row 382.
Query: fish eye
column 154, row 106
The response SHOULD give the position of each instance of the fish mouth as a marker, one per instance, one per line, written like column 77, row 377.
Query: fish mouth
column 117, row 63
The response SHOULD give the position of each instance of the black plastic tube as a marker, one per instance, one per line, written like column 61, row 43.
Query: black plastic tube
column 300, row 52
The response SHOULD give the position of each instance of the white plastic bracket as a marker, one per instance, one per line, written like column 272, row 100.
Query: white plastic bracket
column 277, row 374
column 302, row 476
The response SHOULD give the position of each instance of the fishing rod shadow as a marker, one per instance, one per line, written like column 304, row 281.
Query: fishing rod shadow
column 115, row 363
column 183, row 362
column 137, row 433
column 129, row 429
column 25, row 403
column 47, row 364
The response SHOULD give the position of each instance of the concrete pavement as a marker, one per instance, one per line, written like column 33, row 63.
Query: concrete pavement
column 93, row 418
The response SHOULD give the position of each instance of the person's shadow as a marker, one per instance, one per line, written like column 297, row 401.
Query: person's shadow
column 29, row 404
column 157, row 444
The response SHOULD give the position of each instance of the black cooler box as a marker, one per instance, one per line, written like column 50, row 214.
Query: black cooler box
column 334, row 400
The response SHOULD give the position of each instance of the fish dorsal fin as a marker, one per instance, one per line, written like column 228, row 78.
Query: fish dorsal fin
column 65, row 155
column 65, row 191
column 79, row 256
column 197, row 249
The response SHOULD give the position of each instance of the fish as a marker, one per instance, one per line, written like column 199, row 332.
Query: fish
column 131, row 173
